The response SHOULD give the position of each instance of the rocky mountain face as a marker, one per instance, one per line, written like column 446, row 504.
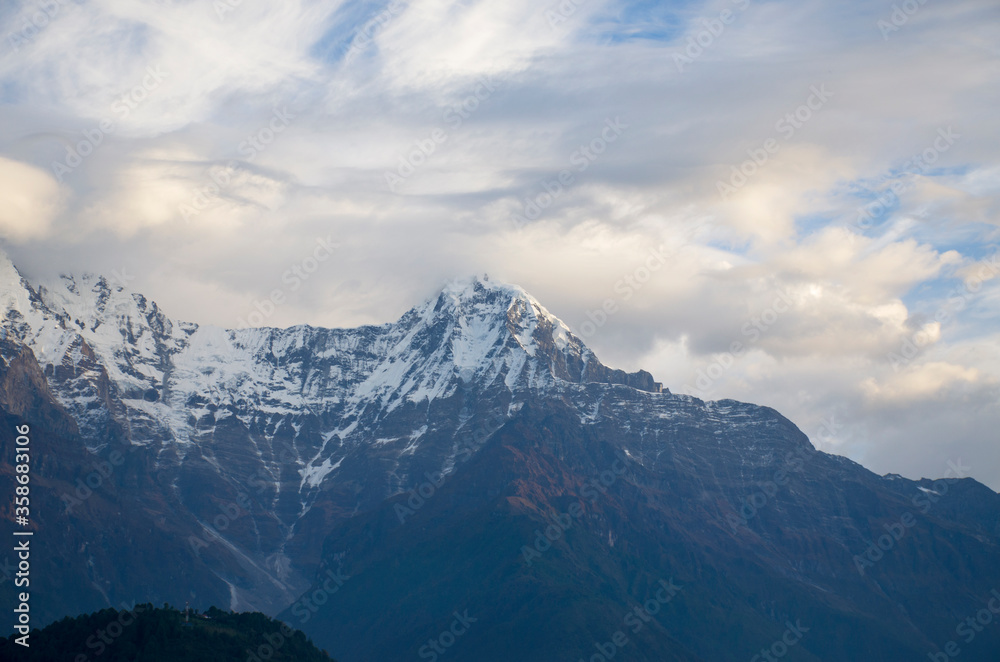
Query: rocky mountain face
column 257, row 440
column 469, row 482
column 559, row 534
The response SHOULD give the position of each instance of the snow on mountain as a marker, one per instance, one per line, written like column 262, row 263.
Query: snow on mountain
column 474, row 330
column 112, row 356
column 260, row 460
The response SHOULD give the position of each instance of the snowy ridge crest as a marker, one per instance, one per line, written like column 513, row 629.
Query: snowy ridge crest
column 101, row 344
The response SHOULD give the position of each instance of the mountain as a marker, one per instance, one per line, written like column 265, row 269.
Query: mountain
column 242, row 447
column 469, row 482
column 164, row 634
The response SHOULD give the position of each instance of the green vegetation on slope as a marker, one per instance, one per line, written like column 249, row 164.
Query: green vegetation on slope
column 151, row 634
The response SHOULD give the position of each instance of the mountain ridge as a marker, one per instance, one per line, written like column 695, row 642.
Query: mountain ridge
column 272, row 416
column 251, row 464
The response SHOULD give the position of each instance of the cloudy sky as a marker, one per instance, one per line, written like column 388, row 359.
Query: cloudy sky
column 793, row 203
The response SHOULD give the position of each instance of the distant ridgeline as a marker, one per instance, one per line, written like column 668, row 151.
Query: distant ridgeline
column 165, row 634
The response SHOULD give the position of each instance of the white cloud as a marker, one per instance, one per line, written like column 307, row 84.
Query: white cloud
column 855, row 293
column 31, row 200
column 922, row 382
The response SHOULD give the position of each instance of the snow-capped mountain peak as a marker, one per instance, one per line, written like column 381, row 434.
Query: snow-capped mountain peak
column 109, row 349
column 524, row 312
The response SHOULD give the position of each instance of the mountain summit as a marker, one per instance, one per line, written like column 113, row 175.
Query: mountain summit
column 96, row 340
column 304, row 412
column 474, row 330
column 470, row 469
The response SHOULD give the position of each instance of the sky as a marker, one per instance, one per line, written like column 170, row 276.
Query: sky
column 793, row 203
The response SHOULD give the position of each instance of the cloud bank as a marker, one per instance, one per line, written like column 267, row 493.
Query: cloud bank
column 791, row 203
